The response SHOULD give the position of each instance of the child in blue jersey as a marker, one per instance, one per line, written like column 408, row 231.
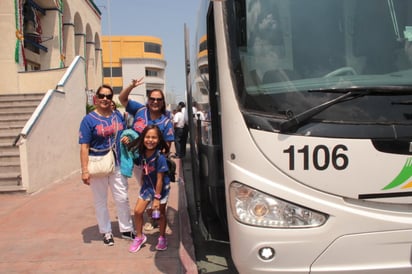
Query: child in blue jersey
column 156, row 185
column 153, row 113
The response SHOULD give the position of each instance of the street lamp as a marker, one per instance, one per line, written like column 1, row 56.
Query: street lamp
column 110, row 42
column 109, row 23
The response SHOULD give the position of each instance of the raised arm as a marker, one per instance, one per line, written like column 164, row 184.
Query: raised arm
column 124, row 94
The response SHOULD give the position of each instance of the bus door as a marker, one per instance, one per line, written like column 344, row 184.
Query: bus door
column 205, row 138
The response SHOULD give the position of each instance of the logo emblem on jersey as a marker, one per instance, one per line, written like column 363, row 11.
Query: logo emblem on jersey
column 170, row 132
column 139, row 125
column 403, row 179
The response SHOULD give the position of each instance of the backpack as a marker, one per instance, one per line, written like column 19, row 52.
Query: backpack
column 171, row 165
column 172, row 169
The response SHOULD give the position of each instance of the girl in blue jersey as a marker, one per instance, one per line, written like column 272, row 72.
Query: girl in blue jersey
column 156, row 185
column 99, row 132
column 153, row 113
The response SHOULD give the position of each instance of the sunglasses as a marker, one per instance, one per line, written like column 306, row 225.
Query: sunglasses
column 101, row 96
column 151, row 99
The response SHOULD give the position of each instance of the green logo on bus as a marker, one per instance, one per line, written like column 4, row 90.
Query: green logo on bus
column 403, row 176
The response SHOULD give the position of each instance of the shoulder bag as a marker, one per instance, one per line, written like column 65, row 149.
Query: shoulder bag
column 102, row 165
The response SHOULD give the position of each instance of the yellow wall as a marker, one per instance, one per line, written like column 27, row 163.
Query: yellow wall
column 128, row 47
column 116, row 48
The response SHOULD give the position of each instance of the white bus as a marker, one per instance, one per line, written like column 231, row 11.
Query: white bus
column 305, row 149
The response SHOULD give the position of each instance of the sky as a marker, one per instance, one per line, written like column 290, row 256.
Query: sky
column 160, row 18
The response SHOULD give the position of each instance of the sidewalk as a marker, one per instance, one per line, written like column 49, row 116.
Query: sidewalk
column 55, row 231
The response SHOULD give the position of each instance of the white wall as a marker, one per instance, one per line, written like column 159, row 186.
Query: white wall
column 50, row 152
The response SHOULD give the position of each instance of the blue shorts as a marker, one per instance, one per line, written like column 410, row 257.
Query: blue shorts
column 147, row 194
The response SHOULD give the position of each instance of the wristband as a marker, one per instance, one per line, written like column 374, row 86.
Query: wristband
column 158, row 196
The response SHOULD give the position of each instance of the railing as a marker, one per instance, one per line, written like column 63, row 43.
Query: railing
column 36, row 114
column 48, row 147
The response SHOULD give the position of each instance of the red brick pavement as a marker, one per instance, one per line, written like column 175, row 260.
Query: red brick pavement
column 55, row 231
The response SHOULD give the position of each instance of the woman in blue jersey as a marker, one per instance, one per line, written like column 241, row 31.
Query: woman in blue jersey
column 153, row 113
column 99, row 132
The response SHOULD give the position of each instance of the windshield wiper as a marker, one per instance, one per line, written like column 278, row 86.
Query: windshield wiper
column 349, row 93
column 402, row 103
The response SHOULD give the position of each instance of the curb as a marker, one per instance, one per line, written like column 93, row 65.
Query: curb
column 186, row 248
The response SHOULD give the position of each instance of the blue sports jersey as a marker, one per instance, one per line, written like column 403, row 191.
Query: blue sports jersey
column 154, row 164
column 142, row 119
column 99, row 132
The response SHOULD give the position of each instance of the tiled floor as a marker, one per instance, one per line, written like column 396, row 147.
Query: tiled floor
column 55, row 231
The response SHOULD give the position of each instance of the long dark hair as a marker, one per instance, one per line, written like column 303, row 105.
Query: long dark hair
column 139, row 142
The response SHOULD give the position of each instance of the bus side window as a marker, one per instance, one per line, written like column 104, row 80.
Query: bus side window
column 374, row 37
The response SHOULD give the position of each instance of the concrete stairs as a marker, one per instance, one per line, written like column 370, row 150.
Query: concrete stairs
column 15, row 111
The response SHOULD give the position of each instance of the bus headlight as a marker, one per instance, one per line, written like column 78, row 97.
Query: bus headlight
column 253, row 207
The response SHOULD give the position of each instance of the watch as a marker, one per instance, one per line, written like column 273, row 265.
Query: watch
column 158, row 196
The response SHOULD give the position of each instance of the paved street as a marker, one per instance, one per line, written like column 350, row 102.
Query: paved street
column 55, row 231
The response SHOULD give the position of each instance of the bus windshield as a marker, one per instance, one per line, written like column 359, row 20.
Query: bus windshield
column 283, row 50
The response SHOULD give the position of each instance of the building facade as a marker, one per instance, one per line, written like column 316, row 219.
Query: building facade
column 42, row 37
column 50, row 56
column 132, row 57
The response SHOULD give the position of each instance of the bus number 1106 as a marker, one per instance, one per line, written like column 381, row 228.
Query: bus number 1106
column 320, row 156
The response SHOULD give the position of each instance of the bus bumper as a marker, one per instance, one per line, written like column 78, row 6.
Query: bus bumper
column 378, row 253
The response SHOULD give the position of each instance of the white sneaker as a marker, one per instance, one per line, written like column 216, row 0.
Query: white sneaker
column 108, row 239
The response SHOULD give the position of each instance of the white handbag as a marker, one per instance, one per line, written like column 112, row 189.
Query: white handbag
column 101, row 166
column 104, row 165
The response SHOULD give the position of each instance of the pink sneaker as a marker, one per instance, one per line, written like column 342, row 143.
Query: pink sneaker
column 137, row 243
column 161, row 244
